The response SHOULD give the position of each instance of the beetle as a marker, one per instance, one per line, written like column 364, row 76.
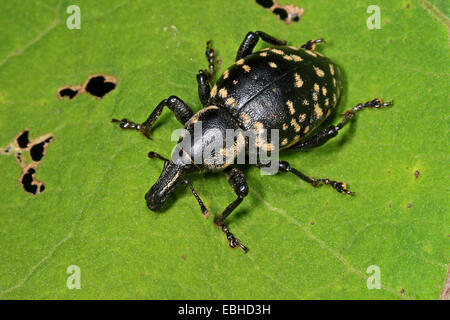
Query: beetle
column 285, row 88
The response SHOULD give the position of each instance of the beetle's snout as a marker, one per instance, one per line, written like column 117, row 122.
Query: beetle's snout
column 167, row 182
column 154, row 202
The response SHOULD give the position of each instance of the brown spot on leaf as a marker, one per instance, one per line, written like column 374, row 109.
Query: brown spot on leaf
column 417, row 173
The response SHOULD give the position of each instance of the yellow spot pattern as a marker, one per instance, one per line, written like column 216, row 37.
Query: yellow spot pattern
column 331, row 69
column 290, row 106
column 318, row 111
column 296, row 126
column 277, row 51
column 302, row 117
column 214, row 91
column 319, row 71
column 298, row 81
column 296, row 58
column 246, row 68
column 223, row 93
column 245, row 117
column 316, row 87
column 311, row 53
column 230, row 101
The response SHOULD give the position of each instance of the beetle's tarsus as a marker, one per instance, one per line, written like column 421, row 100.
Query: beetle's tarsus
column 210, row 56
column 311, row 44
column 127, row 124
column 340, row 187
column 153, row 154
column 233, row 242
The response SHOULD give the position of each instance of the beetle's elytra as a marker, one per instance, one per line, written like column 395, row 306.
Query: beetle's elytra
column 291, row 89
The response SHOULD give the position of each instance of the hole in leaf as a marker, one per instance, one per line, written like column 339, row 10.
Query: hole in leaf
column 22, row 139
column 288, row 13
column 99, row 85
column 265, row 3
column 69, row 92
column 281, row 13
column 29, row 182
column 37, row 150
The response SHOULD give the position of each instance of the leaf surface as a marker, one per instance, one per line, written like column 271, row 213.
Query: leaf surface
column 304, row 242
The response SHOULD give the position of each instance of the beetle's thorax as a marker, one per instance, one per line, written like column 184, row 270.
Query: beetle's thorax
column 207, row 141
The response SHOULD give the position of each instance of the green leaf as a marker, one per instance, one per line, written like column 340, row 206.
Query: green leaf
column 304, row 242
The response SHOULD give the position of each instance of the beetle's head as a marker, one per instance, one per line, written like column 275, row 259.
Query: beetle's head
column 202, row 146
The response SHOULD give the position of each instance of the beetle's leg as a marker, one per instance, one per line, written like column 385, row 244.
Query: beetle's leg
column 330, row 132
column 203, row 87
column 250, row 41
column 153, row 154
column 210, row 56
column 205, row 211
column 204, row 77
column 284, row 166
column 181, row 110
column 311, row 44
column 236, row 179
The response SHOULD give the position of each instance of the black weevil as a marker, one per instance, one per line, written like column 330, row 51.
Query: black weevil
column 292, row 89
